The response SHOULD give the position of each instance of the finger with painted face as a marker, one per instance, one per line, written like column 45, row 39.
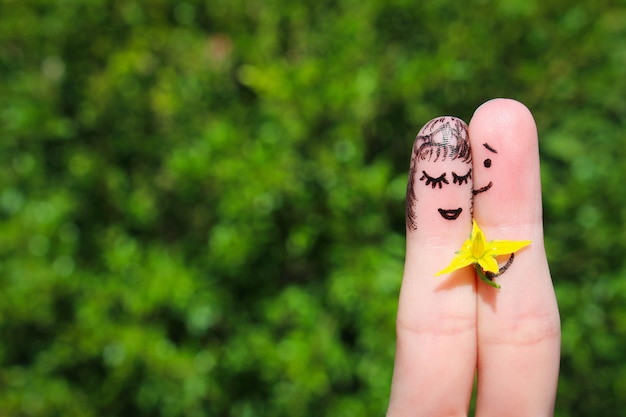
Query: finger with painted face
column 518, row 330
column 436, row 334
column 441, row 159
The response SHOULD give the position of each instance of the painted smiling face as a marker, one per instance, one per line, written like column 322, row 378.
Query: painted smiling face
column 488, row 152
column 441, row 165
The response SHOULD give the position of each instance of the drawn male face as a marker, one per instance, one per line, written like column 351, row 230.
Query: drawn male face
column 486, row 159
column 486, row 154
column 441, row 173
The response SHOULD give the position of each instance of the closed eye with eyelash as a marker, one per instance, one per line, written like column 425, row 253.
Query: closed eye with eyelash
column 461, row 179
column 434, row 181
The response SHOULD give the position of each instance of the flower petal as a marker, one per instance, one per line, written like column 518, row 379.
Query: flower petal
column 479, row 244
column 475, row 228
column 459, row 261
column 504, row 247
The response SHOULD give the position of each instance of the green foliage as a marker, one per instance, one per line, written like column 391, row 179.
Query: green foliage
column 202, row 203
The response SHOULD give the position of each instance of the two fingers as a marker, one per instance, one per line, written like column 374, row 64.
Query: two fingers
column 448, row 326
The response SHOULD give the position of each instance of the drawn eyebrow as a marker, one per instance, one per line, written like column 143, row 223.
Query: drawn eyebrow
column 486, row 145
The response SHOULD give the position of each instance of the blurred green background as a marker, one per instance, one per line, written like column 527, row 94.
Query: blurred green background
column 202, row 202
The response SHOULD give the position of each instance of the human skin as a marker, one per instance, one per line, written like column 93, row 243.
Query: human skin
column 451, row 326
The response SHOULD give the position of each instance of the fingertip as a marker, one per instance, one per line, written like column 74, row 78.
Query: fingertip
column 500, row 115
column 507, row 189
column 503, row 105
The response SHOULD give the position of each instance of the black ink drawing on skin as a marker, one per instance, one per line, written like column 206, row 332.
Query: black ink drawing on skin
column 502, row 269
column 461, row 179
column 450, row 214
column 486, row 145
column 486, row 164
column 482, row 189
column 440, row 139
column 434, row 181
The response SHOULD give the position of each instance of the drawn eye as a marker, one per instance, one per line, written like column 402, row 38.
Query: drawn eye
column 434, row 181
column 461, row 179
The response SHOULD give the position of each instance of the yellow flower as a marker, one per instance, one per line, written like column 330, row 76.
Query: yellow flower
column 482, row 254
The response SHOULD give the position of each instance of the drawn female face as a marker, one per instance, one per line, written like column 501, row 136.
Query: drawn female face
column 441, row 172
column 452, row 174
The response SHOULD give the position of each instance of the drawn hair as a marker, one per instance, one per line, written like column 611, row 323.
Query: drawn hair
column 440, row 139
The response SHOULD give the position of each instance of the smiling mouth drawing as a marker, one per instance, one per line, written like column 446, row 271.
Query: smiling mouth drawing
column 450, row 214
column 482, row 189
